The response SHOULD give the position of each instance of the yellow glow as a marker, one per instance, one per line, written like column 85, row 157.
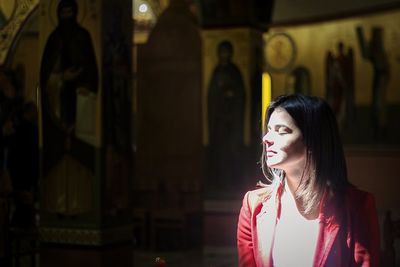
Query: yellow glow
column 266, row 95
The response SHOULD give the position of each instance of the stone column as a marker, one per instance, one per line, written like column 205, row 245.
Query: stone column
column 86, row 155
column 169, row 149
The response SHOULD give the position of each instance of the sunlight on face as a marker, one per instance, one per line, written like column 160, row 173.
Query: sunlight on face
column 284, row 144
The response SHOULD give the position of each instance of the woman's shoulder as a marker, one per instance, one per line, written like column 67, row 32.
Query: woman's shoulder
column 357, row 197
column 355, row 192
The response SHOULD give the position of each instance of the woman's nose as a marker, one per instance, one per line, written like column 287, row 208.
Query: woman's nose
column 267, row 139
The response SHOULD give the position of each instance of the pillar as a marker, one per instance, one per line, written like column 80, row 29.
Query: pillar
column 169, row 148
column 85, row 138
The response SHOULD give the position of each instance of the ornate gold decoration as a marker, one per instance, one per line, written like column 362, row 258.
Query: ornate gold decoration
column 280, row 52
column 9, row 32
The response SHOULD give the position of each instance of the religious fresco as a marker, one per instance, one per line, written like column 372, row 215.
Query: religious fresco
column 339, row 81
column 69, row 87
column 69, row 75
column 226, row 103
column 85, row 94
column 231, row 108
column 374, row 51
column 349, row 62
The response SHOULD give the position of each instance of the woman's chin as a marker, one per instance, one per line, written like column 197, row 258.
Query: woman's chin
column 273, row 164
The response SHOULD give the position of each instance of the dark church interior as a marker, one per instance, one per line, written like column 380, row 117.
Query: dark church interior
column 131, row 129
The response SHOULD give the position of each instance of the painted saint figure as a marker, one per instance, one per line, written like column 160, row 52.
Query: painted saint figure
column 68, row 64
column 68, row 73
column 226, row 99
column 340, row 83
column 376, row 54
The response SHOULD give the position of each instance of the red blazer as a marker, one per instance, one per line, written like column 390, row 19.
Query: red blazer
column 348, row 235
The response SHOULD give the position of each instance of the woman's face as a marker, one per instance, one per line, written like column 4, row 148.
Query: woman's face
column 284, row 142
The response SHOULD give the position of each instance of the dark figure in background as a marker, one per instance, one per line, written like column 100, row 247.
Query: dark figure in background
column 23, row 164
column 10, row 98
column 376, row 54
column 226, row 100
column 19, row 149
column 340, row 84
column 10, row 102
column 68, row 64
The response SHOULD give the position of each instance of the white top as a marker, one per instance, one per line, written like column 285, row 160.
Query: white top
column 295, row 236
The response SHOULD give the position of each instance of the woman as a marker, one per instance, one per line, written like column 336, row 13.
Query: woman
column 307, row 214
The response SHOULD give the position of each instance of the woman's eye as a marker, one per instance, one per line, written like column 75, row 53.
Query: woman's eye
column 282, row 131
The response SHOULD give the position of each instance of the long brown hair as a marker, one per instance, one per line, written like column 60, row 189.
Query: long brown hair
column 325, row 162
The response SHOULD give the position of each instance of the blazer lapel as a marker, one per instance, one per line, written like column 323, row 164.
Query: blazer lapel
column 329, row 229
column 266, row 222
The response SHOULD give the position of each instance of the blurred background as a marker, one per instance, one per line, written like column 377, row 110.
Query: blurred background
column 132, row 129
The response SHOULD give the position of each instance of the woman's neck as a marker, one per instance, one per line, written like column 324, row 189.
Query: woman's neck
column 292, row 182
column 293, row 179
